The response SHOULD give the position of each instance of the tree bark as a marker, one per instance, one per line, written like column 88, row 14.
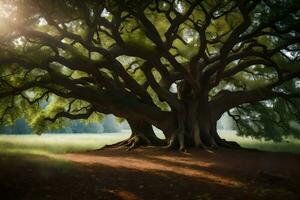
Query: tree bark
column 194, row 122
column 142, row 134
column 195, row 126
column 200, row 121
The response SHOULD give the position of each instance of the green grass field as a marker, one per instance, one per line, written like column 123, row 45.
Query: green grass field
column 65, row 143
column 36, row 167
column 290, row 145
column 56, row 143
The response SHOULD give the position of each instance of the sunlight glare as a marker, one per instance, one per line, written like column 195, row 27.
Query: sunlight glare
column 6, row 15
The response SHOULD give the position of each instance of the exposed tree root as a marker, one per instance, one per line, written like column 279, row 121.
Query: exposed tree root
column 178, row 141
column 142, row 135
column 228, row 144
column 174, row 145
column 128, row 144
column 134, row 142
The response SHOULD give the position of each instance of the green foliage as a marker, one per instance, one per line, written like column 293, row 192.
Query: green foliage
column 102, row 46
column 272, row 119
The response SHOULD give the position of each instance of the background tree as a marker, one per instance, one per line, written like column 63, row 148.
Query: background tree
column 121, row 57
column 109, row 124
column 20, row 127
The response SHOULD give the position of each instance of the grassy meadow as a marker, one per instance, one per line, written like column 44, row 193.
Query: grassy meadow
column 66, row 143
column 290, row 145
column 56, row 143
column 37, row 167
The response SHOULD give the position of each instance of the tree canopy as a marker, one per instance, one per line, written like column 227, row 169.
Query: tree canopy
column 175, row 64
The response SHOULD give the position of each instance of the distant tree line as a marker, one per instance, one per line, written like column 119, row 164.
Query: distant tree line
column 108, row 125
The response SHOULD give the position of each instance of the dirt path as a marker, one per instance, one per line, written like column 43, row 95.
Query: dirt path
column 153, row 174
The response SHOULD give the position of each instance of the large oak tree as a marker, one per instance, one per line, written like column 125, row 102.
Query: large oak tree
column 177, row 65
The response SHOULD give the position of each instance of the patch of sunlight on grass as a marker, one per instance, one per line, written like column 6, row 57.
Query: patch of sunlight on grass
column 291, row 145
column 50, row 144
column 56, row 143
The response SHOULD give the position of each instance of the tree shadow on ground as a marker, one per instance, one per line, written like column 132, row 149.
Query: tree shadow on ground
column 147, row 174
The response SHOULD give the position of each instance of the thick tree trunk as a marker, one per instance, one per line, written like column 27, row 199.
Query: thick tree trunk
column 195, row 129
column 142, row 134
column 195, row 126
column 201, row 131
column 196, row 123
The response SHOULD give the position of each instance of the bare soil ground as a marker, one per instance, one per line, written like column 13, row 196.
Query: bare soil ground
column 149, row 173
